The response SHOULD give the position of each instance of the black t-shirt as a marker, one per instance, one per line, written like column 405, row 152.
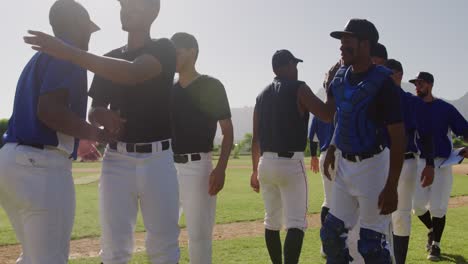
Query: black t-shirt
column 282, row 127
column 196, row 110
column 386, row 108
column 145, row 106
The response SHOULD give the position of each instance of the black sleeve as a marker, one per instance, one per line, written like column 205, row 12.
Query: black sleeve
column 313, row 148
column 214, row 101
column 102, row 91
column 164, row 51
column 389, row 103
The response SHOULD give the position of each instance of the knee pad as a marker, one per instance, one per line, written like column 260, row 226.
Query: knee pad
column 401, row 221
column 334, row 235
column 373, row 247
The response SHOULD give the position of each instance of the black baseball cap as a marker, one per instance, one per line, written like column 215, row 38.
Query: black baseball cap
column 423, row 76
column 65, row 12
column 379, row 51
column 394, row 65
column 184, row 40
column 360, row 28
column 283, row 57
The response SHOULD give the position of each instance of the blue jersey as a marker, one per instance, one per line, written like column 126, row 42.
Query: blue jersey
column 44, row 74
column 412, row 108
column 321, row 132
column 441, row 118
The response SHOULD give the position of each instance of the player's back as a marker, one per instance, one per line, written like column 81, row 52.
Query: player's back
column 282, row 126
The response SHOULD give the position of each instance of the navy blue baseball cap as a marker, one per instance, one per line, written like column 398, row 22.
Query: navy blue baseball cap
column 379, row 51
column 394, row 65
column 283, row 57
column 360, row 28
column 423, row 76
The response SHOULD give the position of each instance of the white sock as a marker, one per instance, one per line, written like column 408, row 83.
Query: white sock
column 436, row 244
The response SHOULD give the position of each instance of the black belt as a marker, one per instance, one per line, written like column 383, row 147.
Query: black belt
column 184, row 158
column 141, row 148
column 285, row 154
column 361, row 157
column 38, row 146
column 409, row 155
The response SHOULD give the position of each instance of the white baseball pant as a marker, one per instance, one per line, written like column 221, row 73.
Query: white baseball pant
column 356, row 192
column 327, row 184
column 353, row 235
column 283, row 183
column 38, row 195
column 148, row 181
column 434, row 198
column 198, row 206
column 401, row 218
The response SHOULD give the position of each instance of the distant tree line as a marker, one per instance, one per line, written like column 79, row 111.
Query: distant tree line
column 3, row 129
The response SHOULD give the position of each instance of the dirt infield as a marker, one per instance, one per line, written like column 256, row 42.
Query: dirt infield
column 461, row 169
column 89, row 247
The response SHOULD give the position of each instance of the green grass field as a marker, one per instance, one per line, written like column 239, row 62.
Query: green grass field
column 253, row 251
column 238, row 203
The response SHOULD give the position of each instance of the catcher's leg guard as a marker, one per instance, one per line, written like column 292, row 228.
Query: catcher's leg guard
column 373, row 247
column 334, row 234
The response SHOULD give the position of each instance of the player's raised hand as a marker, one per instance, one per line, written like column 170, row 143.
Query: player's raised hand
column 427, row 176
column 388, row 200
column 216, row 182
column 314, row 164
column 329, row 162
column 464, row 152
column 254, row 183
column 51, row 45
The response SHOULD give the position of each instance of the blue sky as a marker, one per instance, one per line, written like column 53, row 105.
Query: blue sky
column 238, row 38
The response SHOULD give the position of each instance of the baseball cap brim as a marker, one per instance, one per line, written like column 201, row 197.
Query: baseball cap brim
column 340, row 34
column 413, row 81
column 94, row 26
column 298, row 60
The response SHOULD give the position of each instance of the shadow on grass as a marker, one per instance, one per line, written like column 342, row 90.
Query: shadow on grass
column 454, row 258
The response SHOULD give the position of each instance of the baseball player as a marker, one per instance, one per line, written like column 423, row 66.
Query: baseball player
column 280, row 136
column 321, row 133
column 49, row 116
column 368, row 109
column 199, row 103
column 134, row 81
column 413, row 108
column 430, row 204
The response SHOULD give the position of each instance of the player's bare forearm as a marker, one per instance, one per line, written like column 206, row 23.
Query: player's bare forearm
column 397, row 150
column 255, row 143
column 53, row 112
column 226, row 144
column 117, row 70
column 325, row 111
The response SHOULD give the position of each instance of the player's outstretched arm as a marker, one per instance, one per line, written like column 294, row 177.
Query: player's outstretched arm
column 218, row 175
column 388, row 199
column 313, row 104
column 255, row 154
column 119, row 71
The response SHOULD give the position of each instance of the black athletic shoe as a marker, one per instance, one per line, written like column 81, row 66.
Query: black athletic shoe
column 434, row 253
column 430, row 239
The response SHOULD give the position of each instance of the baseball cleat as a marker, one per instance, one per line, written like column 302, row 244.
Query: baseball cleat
column 434, row 253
